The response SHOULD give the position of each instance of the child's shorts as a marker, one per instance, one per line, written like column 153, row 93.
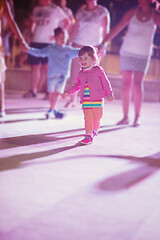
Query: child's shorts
column 56, row 84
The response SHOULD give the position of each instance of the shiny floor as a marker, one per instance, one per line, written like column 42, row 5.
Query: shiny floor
column 52, row 188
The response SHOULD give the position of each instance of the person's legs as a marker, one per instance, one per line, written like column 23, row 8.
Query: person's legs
column 35, row 77
column 97, row 115
column 137, row 94
column 43, row 76
column 126, row 95
column 39, row 67
column 2, row 104
column 88, row 122
column 53, row 98
column 75, row 68
column 2, row 109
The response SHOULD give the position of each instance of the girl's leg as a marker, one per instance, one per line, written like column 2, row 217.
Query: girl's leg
column 88, row 121
column 126, row 95
column 137, row 94
column 97, row 115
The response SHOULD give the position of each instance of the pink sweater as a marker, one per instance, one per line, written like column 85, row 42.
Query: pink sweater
column 98, row 83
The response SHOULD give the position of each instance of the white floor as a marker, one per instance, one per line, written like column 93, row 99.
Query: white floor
column 53, row 189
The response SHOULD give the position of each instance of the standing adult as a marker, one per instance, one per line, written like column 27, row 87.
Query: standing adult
column 46, row 16
column 135, row 53
column 6, row 33
column 5, row 10
column 63, row 4
column 92, row 23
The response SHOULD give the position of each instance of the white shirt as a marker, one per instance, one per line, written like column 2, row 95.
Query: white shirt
column 139, row 38
column 90, row 25
column 47, row 18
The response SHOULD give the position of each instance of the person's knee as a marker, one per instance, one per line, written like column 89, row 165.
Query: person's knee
column 126, row 85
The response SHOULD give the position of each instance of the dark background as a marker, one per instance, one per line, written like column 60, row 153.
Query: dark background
column 117, row 8
column 75, row 4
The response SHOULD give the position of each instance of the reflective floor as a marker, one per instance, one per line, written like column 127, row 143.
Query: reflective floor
column 52, row 188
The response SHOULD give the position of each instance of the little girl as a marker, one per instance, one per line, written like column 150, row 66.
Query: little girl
column 94, row 86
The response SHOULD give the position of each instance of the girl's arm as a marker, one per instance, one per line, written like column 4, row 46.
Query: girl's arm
column 106, row 83
column 14, row 27
column 72, row 90
column 120, row 26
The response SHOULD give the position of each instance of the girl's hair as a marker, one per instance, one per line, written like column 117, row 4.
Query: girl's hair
column 91, row 51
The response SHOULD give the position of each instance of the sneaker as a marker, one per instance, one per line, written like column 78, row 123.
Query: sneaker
column 87, row 140
column 94, row 134
column 50, row 114
column 30, row 94
column 58, row 114
column 2, row 114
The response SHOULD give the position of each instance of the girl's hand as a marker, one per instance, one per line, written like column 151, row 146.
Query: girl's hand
column 110, row 98
column 64, row 95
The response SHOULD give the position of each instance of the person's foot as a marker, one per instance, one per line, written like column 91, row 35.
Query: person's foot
column 136, row 122
column 94, row 134
column 87, row 140
column 58, row 114
column 50, row 114
column 2, row 114
column 124, row 121
column 30, row 94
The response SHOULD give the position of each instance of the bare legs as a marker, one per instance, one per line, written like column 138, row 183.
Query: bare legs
column 137, row 95
column 129, row 78
column 39, row 74
column 2, row 104
column 53, row 98
column 75, row 68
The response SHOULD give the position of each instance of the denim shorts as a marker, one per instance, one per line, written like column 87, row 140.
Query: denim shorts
column 32, row 60
column 56, row 84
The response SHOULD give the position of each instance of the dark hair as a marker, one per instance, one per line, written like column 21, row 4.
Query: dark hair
column 58, row 30
column 91, row 51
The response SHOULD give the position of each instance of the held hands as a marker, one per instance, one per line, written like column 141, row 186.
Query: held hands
column 101, row 50
column 110, row 98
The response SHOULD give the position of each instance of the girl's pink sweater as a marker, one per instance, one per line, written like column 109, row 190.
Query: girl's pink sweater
column 98, row 83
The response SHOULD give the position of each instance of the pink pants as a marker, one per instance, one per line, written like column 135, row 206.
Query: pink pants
column 92, row 117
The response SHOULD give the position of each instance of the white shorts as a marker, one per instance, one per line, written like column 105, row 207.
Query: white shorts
column 56, row 84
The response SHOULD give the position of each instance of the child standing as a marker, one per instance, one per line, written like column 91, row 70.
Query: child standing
column 94, row 86
column 59, row 60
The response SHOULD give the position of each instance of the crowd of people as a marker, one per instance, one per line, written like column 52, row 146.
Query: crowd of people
column 64, row 51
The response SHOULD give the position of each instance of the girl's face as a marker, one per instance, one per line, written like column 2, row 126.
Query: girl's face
column 85, row 61
column 60, row 39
